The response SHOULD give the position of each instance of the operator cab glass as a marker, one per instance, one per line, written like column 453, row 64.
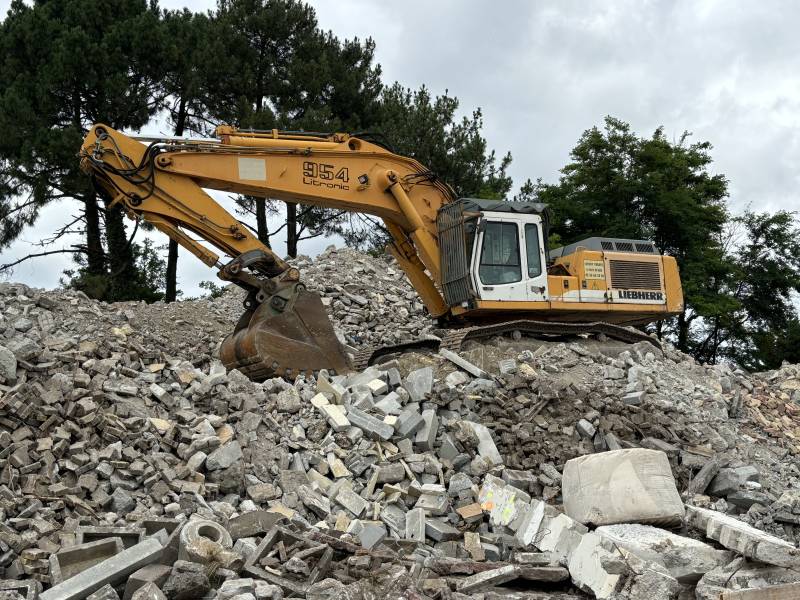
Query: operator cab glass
column 500, row 261
column 533, row 251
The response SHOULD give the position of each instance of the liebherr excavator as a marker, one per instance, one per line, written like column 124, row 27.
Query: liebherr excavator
column 480, row 267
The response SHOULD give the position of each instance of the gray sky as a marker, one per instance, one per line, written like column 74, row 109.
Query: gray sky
column 543, row 72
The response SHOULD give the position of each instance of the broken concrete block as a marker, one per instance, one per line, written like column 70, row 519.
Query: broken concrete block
column 104, row 593
column 335, row 415
column 504, row 503
column 559, row 534
column 463, row 363
column 426, row 436
column 441, row 531
column 224, row 456
column 740, row 537
column 352, row 502
column 372, row 427
column 409, row 422
column 455, row 379
column 472, row 544
column 149, row 591
column 155, row 574
column 419, row 383
column 489, row 578
column 369, row 533
column 378, row 387
column 415, row 525
column 395, row 519
column 390, row 404
column 486, row 446
column 27, row 590
column 530, row 524
column 187, row 581
column 8, row 365
column 790, row 591
column 741, row 576
column 730, row 480
column 587, row 570
column 233, row 587
column 76, row 559
column 621, row 486
column 252, row 523
column 111, row 570
column 334, row 389
column 686, row 559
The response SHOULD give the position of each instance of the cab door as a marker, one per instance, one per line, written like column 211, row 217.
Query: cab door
column 535, row 262
column 497, row 263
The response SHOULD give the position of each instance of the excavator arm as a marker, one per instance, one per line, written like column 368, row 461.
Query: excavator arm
column 284, row 330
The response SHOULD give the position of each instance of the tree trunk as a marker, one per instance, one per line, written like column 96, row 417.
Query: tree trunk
column 171, row 292
column 95, row 257
column 172, row 272
column 122, row 265
column 261, row 221
column 291, row 229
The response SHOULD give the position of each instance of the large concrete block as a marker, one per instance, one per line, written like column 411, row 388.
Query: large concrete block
column 621, row 486
column 686, row 559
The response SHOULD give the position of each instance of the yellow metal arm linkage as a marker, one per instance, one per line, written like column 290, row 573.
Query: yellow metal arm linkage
column 163, row 183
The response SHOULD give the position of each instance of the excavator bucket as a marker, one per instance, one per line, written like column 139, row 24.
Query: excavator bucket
column 298, row 340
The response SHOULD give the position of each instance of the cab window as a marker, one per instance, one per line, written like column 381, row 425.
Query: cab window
column 533, row 252
column 500, row 254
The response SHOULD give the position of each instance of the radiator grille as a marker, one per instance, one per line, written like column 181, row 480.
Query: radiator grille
column 454, row 253
column 635, row 275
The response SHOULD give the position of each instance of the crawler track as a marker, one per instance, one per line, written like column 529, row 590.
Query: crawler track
column 453, row 339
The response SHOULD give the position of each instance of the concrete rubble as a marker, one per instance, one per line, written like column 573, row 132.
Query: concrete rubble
column 134, row 466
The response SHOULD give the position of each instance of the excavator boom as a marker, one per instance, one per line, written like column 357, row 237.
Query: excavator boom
column 471, row 261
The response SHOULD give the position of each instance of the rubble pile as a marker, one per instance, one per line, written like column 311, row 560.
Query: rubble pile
column 133, row 465
column 368, row 298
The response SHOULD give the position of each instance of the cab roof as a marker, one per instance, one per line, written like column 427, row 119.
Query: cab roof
column 480, row 205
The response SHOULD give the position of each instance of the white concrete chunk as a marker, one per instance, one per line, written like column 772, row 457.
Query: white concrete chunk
column 621, row 486
column 586, row 568
column 740, row 537
column 686, row 559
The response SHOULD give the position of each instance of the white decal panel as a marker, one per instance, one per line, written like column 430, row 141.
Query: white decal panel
column 254, row 169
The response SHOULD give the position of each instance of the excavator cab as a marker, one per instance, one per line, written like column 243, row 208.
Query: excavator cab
column 508, row 257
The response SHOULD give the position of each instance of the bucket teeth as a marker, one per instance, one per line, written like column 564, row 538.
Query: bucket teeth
column 299, row 340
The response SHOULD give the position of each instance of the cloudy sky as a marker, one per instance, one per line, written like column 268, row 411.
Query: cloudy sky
column 543, row 72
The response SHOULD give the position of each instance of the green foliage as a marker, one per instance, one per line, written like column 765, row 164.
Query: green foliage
column 283, row 71
column 146, row 283
column 64, row 66
column 762, row 287
column 214, row 290
column 427, row 128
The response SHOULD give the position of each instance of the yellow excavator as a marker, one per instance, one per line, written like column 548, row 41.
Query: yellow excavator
column 481, row 267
